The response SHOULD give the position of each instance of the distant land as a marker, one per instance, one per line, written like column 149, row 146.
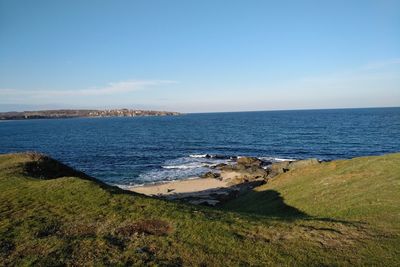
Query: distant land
column 82, row 113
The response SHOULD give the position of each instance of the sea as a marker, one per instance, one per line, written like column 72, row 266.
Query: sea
column 129, row 151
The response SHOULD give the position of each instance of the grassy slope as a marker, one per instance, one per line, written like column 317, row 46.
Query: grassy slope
column 364, row 190
column 345, row 212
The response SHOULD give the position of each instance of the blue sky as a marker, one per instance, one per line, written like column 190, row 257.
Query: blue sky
column 199, row 56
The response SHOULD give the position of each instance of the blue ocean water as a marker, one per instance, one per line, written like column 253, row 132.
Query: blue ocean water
column 139, row 150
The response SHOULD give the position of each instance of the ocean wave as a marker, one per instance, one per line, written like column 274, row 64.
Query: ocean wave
column 156, row 182
column 184, row 167
column 169, row 175
column 210, row 156
column 273, row 159
column 123, row 186
column 198, row 156
column 279, row 159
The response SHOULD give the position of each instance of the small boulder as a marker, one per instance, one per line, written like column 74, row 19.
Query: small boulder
column 249, row 161
column 220, row 157
column 284, row 166
column 213, row 175
column 219, row 166
column 303, row 163
column 277, row 168
column 228, row 168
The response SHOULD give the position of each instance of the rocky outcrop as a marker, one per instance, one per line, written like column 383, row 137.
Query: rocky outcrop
column 250, row 168
column 303, row 163
column 285, row 166
column 249, row 162
column 246, row 169
column 219, row 166
column 278, row 168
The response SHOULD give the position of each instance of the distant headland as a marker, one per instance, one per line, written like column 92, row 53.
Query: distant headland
column 82, row 113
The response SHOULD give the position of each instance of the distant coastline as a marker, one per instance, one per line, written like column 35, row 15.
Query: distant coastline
column 82, row 113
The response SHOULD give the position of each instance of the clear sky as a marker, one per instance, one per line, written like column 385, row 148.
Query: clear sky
column 199, row 56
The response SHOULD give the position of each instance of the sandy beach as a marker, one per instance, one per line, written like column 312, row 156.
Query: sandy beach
column 190, row 185
column 197, row 190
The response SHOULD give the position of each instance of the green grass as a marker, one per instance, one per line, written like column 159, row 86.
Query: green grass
column 338, row 213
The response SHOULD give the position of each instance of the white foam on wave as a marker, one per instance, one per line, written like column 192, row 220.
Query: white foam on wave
column 189, row 166
column 198, row 156
column 184, row 167
column 211, row 156
column 273, row 159
column 123, row 186
column 279, row 159
column 180, row 168
column 157, row 182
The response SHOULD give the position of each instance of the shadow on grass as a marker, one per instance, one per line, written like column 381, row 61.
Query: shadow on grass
column 267, row 203
column 270, row 203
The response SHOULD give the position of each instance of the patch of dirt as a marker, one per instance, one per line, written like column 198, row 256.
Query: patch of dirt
column 80, row 230
column 334, row 235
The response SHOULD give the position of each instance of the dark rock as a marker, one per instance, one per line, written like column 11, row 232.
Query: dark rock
column 281, row 167
column 252, row 176
column 278, row 168
column 219, row 166
column 240, row 167
column 208, row 156
column 228, row 167
column 249, row 161
column 265, row 163
column 211, row 175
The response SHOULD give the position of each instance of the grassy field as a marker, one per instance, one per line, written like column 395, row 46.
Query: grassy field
column 337, row 213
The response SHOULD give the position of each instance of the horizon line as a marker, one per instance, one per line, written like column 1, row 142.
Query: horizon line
column 208, row 112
